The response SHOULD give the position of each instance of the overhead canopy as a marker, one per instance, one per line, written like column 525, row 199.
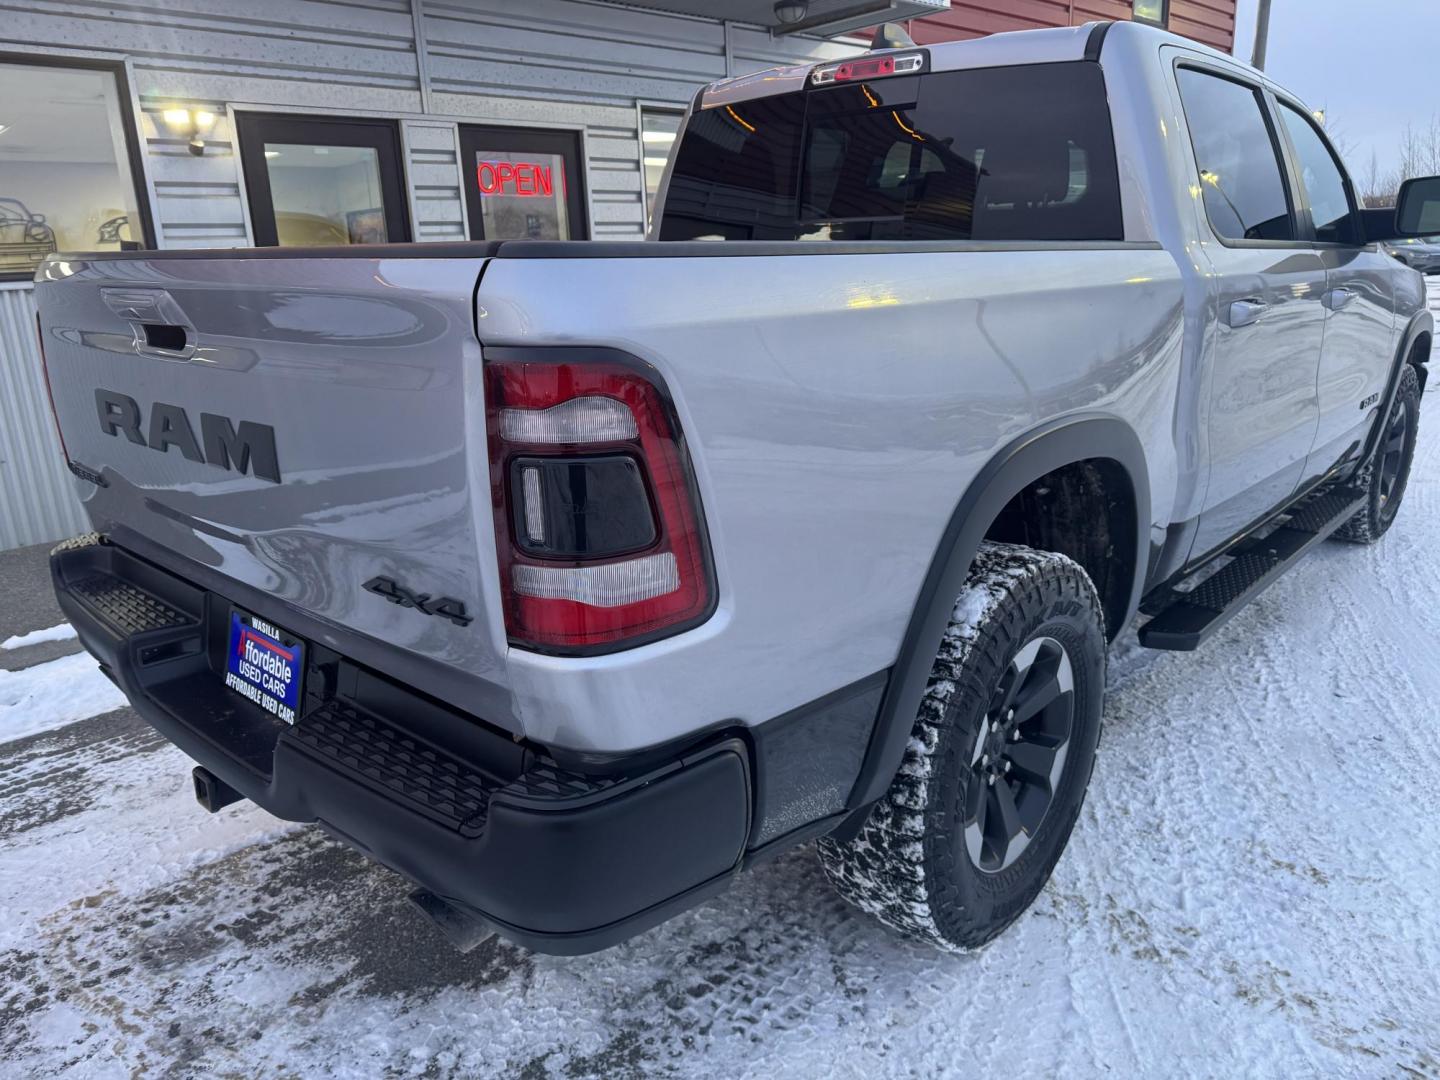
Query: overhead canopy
column 823, row 17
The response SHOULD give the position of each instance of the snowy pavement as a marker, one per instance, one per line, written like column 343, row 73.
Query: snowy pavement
column 1253, row 889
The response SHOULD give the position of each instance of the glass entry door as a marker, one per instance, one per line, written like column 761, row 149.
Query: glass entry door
column 523, row 185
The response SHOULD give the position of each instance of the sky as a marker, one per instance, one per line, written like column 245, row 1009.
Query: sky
column 1370, row 64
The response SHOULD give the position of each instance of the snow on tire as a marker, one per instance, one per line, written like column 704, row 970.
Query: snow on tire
column 998, row 761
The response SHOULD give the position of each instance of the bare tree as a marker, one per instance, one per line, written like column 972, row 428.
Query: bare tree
column 1418, row 155
column 1420, row 149
column 1378, row 189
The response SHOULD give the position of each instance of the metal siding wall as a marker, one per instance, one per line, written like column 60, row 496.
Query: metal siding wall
column 37, row 495
column 580, row 64
column 437, row 203
column 583, row 65
column 201, row 54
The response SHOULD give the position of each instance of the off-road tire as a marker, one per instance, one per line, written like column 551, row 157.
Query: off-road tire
column 1374, row 521
column 909, row 866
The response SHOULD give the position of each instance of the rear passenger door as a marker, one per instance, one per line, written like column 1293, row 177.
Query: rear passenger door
column 1268, row 284
column 1359, row 296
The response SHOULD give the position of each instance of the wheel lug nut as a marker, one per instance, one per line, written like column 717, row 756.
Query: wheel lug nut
column 990, row 779
column 1007, row 766
column 984, row 759
column 1010, row 716
column 1015, row 735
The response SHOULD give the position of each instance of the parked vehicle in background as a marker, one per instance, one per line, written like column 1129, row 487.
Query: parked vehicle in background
column 571, row 579
column 1419, row 253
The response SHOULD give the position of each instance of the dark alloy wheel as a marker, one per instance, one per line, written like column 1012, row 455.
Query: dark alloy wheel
column 1392, row 455
column 1019, row 754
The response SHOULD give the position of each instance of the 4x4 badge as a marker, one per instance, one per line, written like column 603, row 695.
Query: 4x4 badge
column 447, row 607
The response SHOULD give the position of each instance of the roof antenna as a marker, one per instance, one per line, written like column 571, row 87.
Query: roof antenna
column 891, row 36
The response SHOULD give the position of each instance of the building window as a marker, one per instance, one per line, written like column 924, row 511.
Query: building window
column 658, row 129
column 321, row 181
column 1156, row 12
column 522, row 184
column 69, row 177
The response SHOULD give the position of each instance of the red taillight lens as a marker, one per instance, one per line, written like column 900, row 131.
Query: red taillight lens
column 870, row 67
column 597, row 521
column 49, row 391
column 865, row 69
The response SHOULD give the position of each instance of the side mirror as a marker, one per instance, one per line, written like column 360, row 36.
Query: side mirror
column 1417, row 208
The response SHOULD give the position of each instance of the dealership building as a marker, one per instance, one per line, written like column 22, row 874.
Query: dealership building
column 207, row 123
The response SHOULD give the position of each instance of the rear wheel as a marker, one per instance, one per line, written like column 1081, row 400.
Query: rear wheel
column 1387, row 473
column 998, row 760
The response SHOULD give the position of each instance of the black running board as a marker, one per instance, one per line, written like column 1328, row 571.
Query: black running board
column 1187, row 619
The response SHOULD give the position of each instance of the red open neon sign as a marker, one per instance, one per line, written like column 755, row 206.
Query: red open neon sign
column 524, row 178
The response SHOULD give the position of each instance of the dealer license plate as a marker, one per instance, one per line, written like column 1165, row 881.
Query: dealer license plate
column 265, row 665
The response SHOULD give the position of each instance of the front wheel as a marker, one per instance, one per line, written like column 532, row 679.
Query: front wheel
column 998, row 760
column 1385, row 476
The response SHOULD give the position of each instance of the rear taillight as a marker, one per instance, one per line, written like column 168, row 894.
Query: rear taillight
column 49, row 392
column 597, row 520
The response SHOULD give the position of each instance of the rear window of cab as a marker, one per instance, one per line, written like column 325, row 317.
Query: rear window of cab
column 1012, row 153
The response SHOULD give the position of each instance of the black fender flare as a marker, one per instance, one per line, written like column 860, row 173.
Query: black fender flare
column 1422, row 322
column 1020, row 463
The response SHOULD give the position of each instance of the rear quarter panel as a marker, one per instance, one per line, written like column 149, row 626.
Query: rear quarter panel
column 837, row 406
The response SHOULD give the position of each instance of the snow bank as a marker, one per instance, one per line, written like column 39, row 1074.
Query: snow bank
column 50, row 695
column 63, row 632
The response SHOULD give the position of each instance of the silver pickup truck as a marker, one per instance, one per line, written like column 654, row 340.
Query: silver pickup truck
column 572, row 579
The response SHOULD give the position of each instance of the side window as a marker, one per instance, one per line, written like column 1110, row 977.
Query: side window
column 1324, row 182
column 1241, row 180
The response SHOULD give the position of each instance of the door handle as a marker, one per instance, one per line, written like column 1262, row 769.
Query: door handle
column 1336, row 299
column 1245, row 312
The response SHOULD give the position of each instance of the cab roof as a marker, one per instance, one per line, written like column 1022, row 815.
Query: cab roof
column 1043, row 46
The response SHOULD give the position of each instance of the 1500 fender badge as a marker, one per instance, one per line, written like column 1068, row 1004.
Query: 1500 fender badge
column 447, row 607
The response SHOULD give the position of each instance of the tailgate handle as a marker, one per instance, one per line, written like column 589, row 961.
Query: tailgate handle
column 160, row 325
column 165, row 337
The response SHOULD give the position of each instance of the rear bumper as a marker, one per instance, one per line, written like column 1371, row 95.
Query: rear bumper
column 557, row 861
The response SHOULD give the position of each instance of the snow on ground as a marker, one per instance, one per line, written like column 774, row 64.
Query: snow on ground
column 63, row 632
column 42, row 697
column 1253, row 889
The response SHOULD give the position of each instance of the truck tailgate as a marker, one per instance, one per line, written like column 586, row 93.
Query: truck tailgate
column 300, row 425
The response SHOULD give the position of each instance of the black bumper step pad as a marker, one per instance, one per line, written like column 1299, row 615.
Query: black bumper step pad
column 1186, row 619
column 127, row 609
column 439, row 785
